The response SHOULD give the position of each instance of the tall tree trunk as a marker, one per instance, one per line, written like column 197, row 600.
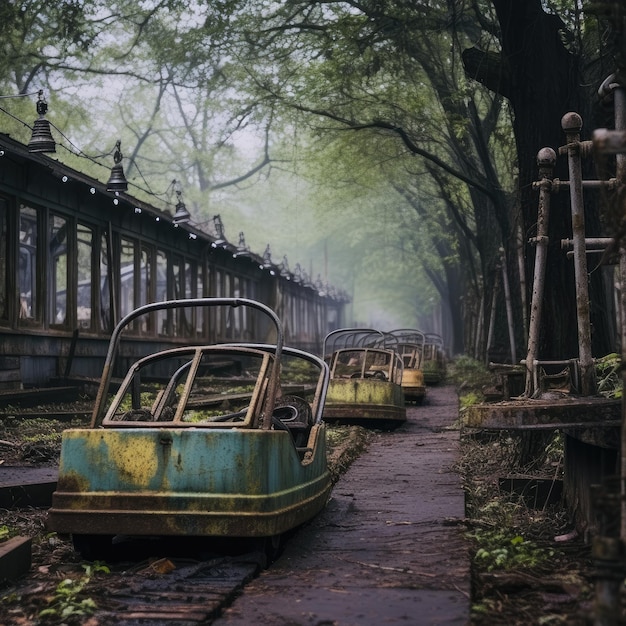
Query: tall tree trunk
column 541, row 78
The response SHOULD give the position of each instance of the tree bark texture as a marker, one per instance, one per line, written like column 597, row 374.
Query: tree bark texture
column 542, row 80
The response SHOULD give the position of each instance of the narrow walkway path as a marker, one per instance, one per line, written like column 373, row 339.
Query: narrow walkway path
column 387, row 549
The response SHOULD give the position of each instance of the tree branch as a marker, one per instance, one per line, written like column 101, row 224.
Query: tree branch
column 489, row 69
column 406, row 140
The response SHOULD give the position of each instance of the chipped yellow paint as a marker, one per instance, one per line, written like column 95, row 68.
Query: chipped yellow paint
column 135, row 459
column 412, row 378
column 139, row 459
column 218, row 482
column 359, row 391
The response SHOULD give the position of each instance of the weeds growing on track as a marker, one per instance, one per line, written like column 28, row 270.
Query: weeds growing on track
column 521, row 572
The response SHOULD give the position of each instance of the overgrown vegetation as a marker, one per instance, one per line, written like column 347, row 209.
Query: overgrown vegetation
column 70, row 603
column 521, row 574
column 505, row 550
column 344, row 444
column 608, row 375
column 32, row 440
column 469, row 376
column 464, row 371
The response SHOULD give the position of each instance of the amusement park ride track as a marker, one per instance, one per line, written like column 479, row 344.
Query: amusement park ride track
column 187, row 582
column 153, row 581
column 389, row 568
column 193, row 593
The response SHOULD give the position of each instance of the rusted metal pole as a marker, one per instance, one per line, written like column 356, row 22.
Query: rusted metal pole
column 519, row 244
column 620, row 175
column 593, row 244
column 509, row 307
column 619, row 101
column 492, row 313
column 546, row 160
column 479, row 328
column 571, row 124
column 608, row 549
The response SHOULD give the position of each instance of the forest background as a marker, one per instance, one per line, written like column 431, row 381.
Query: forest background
column 388, row 146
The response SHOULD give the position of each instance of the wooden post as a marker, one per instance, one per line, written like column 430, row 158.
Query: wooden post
column 571, row 124
column 546, row 160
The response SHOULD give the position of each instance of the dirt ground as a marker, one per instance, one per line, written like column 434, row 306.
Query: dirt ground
column 529, row 566
column 519, row 573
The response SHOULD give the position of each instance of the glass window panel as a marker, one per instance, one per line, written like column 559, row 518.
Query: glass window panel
column 245, row 312
column 176, row 279
column 200, row 312
column 145, row 274
column 218, row 333
column 219, row 292
column 105, row 293
column 237, row 312
column 161, row 290
column 230, row 312
column 177, row 291
column 189, row 280
column 145, row 278
column 57, row 269
column 27, row 264
column 161, row 273
column 190, row 283
column 127, row 276
column 4, row 313
column 84, row 249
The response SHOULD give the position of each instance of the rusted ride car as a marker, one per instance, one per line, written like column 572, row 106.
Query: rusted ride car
column 365, row 379
column 221, row 440
column 410, row 347
column 435, row 360
column 413, row 383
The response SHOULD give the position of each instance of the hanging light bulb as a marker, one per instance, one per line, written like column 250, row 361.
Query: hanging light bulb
column 117, row 180
column 41, row 140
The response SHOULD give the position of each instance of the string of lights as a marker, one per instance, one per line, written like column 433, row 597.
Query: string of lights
column 17, row 119
column 42, row 141
column 19, row 95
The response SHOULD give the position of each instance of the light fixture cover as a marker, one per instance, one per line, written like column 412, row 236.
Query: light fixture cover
column 117, row 180
column 41, row 140
column 182, row 215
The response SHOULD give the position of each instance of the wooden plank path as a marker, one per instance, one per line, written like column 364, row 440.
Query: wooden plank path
column 389, row 548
